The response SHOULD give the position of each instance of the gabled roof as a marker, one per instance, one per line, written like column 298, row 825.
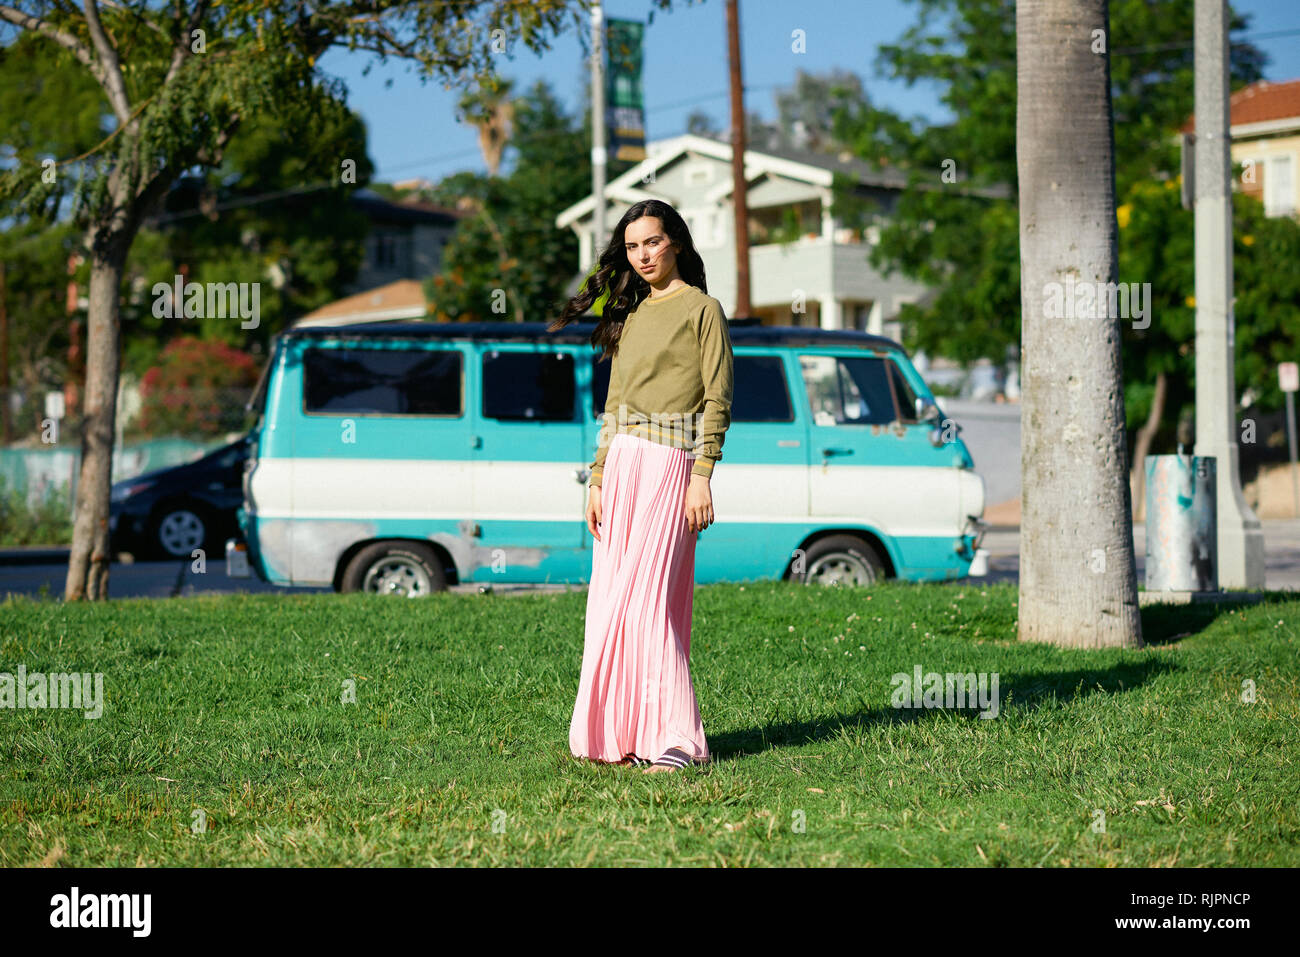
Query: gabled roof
column 1259, row 108
column 403, row 299
column 805, row 166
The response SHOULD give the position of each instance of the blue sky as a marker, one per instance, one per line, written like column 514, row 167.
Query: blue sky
column 413, row 130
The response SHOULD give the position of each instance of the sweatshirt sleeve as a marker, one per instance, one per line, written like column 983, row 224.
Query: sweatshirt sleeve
column 717, row 371
column 608, row 426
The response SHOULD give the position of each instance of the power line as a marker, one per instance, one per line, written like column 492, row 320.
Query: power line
column 442, row 157
column 690, row 101
column 1180, row 45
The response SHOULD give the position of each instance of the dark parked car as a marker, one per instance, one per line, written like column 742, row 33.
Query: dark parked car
column 167, row 513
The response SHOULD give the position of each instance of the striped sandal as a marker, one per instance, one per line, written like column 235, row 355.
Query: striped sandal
column 674, row 758
column 633, row 760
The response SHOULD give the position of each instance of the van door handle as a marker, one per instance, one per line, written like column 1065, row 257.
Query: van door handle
column 827, row 453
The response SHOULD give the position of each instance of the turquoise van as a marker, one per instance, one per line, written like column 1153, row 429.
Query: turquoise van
column 401, row 458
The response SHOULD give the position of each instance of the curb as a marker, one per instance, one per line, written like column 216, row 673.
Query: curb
column 35, row 554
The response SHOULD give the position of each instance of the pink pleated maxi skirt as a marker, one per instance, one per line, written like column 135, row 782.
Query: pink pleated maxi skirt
column 635, row 694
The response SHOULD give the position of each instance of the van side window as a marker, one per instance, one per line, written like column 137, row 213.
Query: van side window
column 599, row 386
column 760, row 393
column 903, row 394
column 528, row 386
column 848, row 390
column 382, row 381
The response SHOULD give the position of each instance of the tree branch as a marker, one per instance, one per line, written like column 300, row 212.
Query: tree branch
column 182, row 48
column 213, row 157
column 66, row 40
column 137, row 16
column 112, row 68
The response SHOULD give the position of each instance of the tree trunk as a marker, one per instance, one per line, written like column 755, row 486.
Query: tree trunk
column 89, row 559
column 1142, row 445
column 1078, row 581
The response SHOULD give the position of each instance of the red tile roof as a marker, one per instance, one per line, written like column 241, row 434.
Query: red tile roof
column 1259, row 103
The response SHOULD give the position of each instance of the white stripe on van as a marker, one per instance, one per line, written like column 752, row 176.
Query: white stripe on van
column 906, row 501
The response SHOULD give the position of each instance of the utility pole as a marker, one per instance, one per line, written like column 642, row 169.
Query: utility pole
column 1240, row 537
column 598, row 157
column 739, row 193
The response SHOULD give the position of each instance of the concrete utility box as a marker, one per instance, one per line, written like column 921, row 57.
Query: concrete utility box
column 1182, row 535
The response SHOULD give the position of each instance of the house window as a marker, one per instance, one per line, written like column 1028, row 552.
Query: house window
column 705, row 226
column 1279, row 186
column 385, row 250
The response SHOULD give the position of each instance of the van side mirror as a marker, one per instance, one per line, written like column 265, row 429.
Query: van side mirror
column 926, row 411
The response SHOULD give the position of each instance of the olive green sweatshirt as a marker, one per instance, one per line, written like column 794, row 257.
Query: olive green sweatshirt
column 672, row 377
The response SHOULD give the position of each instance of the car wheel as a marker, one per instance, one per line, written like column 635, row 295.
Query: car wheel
column 407, row 569
column 179, row 529
column 842, row 560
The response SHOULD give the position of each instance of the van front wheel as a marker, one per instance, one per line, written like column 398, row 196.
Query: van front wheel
column 405, row 569
column 843, row 560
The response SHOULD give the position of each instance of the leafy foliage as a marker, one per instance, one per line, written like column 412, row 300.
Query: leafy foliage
column 197, row 389
column 510, row 243
column 968, row 247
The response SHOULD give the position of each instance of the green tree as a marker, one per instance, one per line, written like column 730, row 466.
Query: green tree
column 963, row 245
column 510, row 242
column 273, row 213
column 178, row 81
column 1157, row 247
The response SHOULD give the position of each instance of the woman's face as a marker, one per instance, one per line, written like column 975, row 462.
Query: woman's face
column 649, row 250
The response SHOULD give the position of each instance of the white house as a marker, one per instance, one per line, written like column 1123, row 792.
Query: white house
column 821, row 278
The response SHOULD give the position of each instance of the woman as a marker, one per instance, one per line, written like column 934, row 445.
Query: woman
column 668, row 409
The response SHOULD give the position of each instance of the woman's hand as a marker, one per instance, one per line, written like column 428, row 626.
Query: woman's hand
column 699, row 503
column 594, row 513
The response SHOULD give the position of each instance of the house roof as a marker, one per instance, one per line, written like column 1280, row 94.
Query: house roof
column 1259, row 108
column 801, row 165
column 410, row 210
column 399, row 300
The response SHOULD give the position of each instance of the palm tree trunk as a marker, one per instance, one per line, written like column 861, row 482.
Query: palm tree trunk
column 1078, row 582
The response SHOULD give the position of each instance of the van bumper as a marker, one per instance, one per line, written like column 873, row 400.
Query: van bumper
column 242, row 558
column 967, row 546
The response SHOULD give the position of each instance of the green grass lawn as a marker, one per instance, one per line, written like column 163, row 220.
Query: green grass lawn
column 456, row 750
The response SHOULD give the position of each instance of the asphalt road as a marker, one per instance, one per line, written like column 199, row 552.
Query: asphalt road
column 1281, row 553
column 29, row 571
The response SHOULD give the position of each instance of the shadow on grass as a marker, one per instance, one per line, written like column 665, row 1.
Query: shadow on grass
column 1017, row 693
column 1163, row 624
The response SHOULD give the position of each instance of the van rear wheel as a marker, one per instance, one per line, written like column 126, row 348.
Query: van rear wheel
column 842, row 560
column 407, row 569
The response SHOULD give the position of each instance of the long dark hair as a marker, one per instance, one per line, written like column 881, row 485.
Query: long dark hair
column 625, row 286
